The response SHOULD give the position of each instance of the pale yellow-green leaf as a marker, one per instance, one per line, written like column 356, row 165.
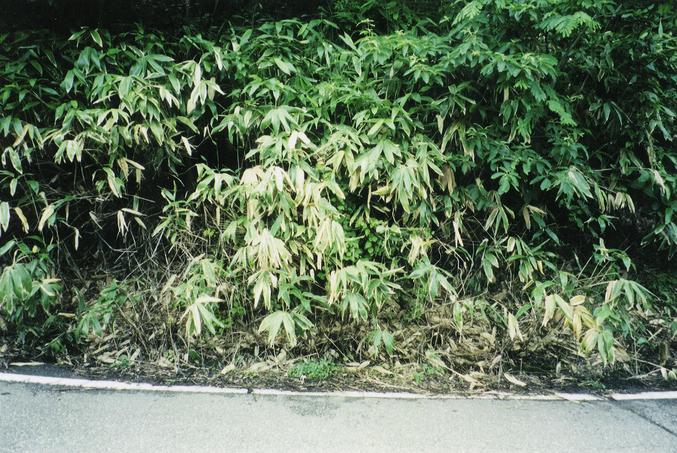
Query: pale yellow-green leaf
column 122, row 223
column 274, row 322
column 613, row 289
column 513, row 328
column 590, row 340
column 187, row 146
column 4, row 216
column 550, row 306
column 566, row 309
column 577, row 300
column 22, row 218
column 207, row 299
column 46, row 214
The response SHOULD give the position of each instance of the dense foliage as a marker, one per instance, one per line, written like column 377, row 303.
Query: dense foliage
column 466, row 184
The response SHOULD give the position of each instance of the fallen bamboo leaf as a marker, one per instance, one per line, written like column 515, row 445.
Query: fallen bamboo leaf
column 513, row 380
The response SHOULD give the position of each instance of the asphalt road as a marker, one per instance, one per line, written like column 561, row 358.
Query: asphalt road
column 35, row 418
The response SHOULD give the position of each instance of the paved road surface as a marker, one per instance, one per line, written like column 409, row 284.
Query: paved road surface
column 57, row 419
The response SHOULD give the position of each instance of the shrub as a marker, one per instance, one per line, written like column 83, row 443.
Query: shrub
column 499, row 165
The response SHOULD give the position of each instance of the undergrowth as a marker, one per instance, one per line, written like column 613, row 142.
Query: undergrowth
column 473, row 187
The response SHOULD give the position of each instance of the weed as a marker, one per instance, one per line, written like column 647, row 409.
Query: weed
column 427, row 372
column 314, row 370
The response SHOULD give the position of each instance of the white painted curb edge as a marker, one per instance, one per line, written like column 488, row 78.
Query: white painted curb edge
column 112, row 385
column 130, row 386
column 668, row 395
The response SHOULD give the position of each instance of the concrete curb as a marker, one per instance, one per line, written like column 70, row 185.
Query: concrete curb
column 131, row 386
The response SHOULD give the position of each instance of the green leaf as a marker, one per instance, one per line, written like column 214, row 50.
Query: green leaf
column 284, row 66
column 7, row 246
column 15, row 159
column 67, row 83
column 96, row 37
column 605, row 346
column 564, row 116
